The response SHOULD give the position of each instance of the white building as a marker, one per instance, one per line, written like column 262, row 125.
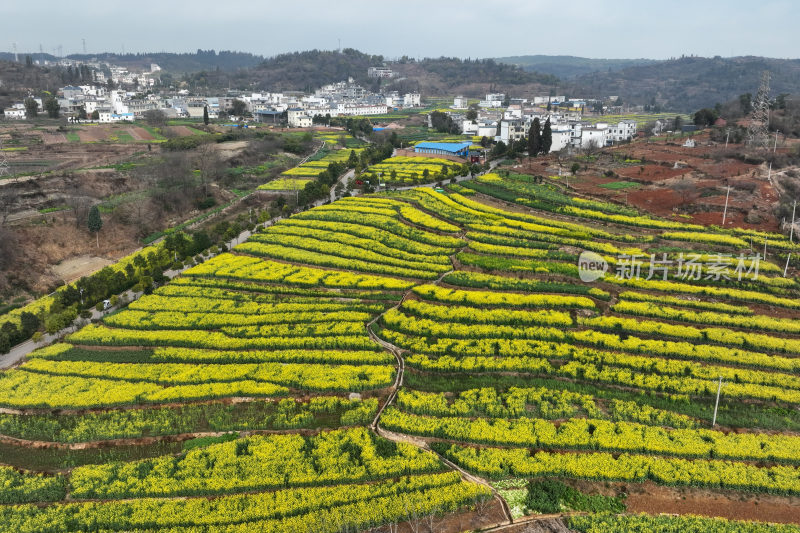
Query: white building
column 298, row 118
column 380, row 72
column 591, row 136
column 459, row 102
column 561, row 135
column 15, row 112
column 493, row 100
column 411, row 100
column 362, row 109
column 622, row 131
column 514, row 129
column 107, row 116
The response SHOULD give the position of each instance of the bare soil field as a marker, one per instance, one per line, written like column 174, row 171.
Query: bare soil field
column 648, row 173
column 77, row 267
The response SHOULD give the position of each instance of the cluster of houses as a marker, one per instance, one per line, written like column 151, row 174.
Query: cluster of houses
column 346, row 99
column 96, row 103
column 513, row 122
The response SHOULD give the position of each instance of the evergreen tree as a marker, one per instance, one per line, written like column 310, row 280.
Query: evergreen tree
column 352, row 161
column 547, row 137
column 535, row 138
column 94, row 222
column 205, row 115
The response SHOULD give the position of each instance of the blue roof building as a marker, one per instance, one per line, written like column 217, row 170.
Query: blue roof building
column 456, row 149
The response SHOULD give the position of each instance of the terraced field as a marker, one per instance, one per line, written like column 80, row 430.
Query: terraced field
column 412, row 358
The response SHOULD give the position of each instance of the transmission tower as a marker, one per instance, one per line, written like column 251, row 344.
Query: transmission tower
column 757, row 134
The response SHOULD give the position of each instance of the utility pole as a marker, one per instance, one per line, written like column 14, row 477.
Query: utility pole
column 786, row 268
column 791, row 230
column 727, row 136
column 765, row 248
column 725, row 212
column 775, row 146
column 84, row 46
column 716, row 405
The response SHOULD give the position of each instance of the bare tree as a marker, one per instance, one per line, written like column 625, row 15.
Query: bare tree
column 209, row 163
column 9, row 200
column 155, row 118
column 685, row 189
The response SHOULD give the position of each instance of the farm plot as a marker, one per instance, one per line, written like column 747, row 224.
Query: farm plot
column 457, row 320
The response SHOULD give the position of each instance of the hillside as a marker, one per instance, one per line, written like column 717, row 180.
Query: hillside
column 567, row 67
column 689, row 83
column 314, row 377
column 18, row 80
column 432, row 76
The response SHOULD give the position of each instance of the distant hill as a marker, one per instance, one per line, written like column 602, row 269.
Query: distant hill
column 689, row 83
column 566, row 67
column 432, row 76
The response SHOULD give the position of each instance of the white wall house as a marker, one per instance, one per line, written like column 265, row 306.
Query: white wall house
column 459, row 102
column 15, row 112
column 622, row 131
column 110, row 117
column 298, row 118
column 514, row 130
column 411, row 100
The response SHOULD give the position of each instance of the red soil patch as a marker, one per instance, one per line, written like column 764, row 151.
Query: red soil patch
column 93, row 134
column 657, row 201
column 140, row 134
column 654, row 499
column 728, row 169
column 651, row 172
column 53, row 138
column 180, row 131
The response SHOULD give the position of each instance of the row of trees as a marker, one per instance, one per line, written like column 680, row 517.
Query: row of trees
column 540, row 139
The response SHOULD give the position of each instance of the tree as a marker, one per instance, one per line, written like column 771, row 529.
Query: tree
column 82, row 112
column 205, row 115
column 547, row 137
column 678, row 123
column 575, row 168
column 94, row 222
column 472, row 115
column 238, row 107
column 31, row 108
column 746, row 103
column 705, row 117
column 352, row 160
column 535, row 138
column 155, row 118
column 95, row 115
column 52, row 107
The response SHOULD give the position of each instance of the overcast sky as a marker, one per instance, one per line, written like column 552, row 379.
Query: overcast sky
column 418, row 28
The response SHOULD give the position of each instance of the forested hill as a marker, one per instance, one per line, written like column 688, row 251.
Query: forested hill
column 690, row 83
column 566, row 67
column 17, row 80
column 313, row 68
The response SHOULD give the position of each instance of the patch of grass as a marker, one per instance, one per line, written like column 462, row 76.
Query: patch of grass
column 72, row 137
column 201, row 442
column 52, row 209
column 547, row 496
column 617, row 185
